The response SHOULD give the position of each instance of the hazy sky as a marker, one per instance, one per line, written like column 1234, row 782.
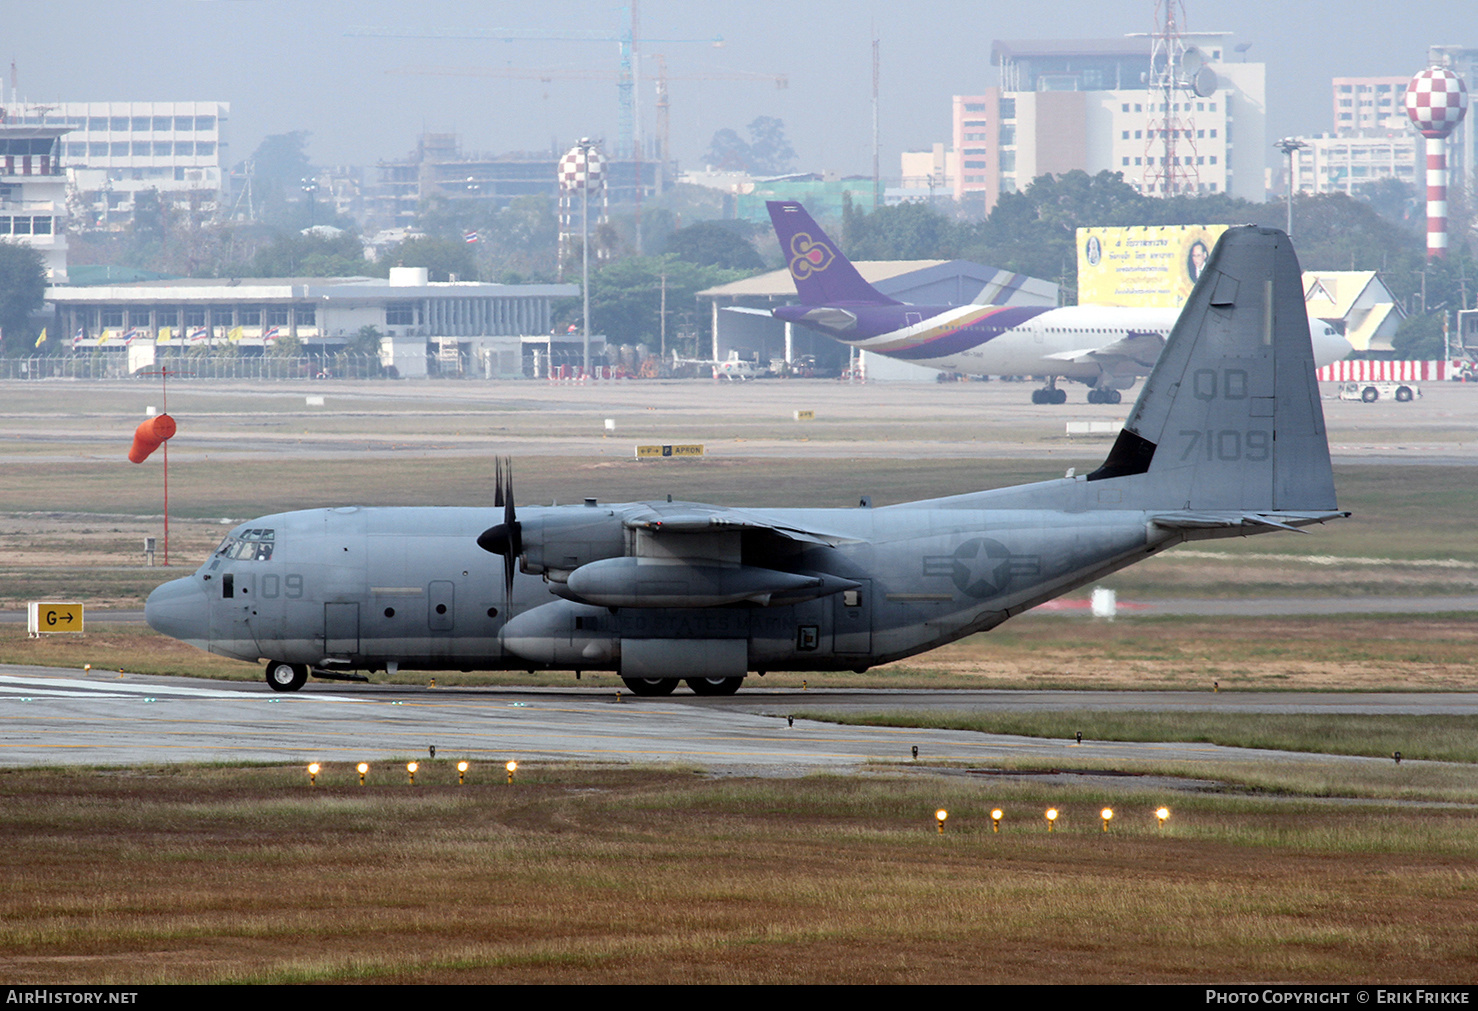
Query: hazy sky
column 297, row 66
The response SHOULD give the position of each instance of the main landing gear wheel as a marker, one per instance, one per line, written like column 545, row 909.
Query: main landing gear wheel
column 651, row 686
column 286, row 677
column 1049, row 396
column 715, row 686
column 1096, row 396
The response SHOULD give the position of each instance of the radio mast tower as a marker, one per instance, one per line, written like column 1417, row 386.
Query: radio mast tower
column 1170, row 144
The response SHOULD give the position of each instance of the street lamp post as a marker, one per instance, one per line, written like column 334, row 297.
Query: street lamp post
column 585, row 145
column 1289, row 146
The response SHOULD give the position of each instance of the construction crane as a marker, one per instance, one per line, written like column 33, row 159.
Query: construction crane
column 628, row 77
column 548, row 74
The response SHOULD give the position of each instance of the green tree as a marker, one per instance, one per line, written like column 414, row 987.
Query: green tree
column 22, row 288
column 366, row 341
column 1392, row 199
column 313, row 255
column 522, row 238
column 727, row 151
column 442, row 258
column 770, row 152
column 1419, row 337
column 903, row 232
column 626, row 297
column 286, row 346
column 281, row 158
column 766, row 153
column 714, row 244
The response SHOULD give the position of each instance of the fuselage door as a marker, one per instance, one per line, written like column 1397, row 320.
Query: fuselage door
column 340, row 629
column 852, row 617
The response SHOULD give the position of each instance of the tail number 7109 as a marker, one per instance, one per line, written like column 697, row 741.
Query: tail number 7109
column 1227, row 444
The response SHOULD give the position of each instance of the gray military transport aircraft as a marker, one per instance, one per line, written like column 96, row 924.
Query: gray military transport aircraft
column 1226, row 439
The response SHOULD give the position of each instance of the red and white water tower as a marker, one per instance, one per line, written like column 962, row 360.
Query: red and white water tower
column 1436, row 100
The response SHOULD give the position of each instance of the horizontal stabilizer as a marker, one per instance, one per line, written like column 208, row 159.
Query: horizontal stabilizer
column 1187, row 520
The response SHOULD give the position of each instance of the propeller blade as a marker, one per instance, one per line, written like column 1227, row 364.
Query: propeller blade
column 506, row 538
column 515, row 530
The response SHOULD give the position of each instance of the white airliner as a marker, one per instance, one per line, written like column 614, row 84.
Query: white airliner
column 1105, row 347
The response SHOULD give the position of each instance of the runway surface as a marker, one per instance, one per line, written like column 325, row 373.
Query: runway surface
column 68, row 717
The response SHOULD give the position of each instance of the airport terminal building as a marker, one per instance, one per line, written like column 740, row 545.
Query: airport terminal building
column 468, row 325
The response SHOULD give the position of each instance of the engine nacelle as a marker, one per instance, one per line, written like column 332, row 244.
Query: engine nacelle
column 564, row 634
column 657, row 582
column 565, row 539
column 578, row 636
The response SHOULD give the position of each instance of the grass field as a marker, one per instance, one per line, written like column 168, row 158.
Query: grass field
column 1436, row 737
column 596, row 875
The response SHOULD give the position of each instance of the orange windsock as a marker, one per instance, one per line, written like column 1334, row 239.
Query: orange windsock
column 149, row 436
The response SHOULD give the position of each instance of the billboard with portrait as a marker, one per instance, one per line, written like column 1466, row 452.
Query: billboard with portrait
column 1154, row 266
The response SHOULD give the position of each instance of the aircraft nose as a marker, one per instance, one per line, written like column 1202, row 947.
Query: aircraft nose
column 1330, row 347
column 179, row 610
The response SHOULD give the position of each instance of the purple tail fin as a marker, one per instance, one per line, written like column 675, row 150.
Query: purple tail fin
column 822, row 275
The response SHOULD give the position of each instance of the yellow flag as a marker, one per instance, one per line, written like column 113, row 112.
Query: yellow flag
column 42, row 339
column 166, row 333
column 235, row 334
column 103, row 337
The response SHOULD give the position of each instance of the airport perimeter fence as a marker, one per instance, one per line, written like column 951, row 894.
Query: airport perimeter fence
column 254, row 367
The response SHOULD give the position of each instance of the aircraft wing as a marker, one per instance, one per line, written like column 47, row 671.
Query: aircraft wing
column 717, row 520
column 693, row 568
column 1138, row 349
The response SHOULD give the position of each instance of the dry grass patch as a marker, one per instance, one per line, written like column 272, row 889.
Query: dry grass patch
column 1437, row 737
column 629, row 875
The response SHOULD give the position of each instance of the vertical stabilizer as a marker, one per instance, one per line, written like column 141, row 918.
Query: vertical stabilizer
column 822, row 275
column 1230, row 419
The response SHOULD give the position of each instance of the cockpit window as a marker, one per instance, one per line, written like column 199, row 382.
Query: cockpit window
column 248, row 545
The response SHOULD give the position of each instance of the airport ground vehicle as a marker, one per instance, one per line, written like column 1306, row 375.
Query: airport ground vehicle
column 1370, row 392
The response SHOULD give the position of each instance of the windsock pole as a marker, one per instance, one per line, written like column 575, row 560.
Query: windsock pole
column 149, row 436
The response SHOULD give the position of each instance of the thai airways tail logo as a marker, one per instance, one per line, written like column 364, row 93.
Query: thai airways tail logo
column 807, row 256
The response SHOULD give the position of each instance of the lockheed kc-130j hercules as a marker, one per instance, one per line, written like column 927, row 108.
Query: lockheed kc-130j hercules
column 1105, row 347
column 1226, row 439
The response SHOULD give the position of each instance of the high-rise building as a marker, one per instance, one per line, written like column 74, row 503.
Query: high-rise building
column 1085, row 104
column 33, row 193
column 115, row 150
column 1369, row 103
column 439, row 168
column 1343, row 163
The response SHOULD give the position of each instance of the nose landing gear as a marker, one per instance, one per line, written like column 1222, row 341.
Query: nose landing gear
column 286, row 677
